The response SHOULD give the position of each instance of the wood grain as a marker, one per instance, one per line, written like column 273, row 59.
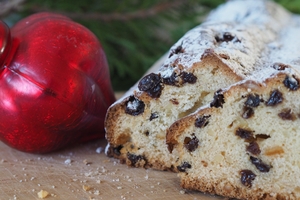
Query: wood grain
column 84, row 172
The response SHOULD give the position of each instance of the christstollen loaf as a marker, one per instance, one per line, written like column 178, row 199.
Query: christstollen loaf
column 234, row 42
column 245, row 143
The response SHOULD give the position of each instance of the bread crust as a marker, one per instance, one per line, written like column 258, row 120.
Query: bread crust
column 226, row 189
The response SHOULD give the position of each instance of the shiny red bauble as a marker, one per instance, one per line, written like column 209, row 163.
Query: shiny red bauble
column 54, row 84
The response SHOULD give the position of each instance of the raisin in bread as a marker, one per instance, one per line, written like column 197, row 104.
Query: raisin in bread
column 245, row 143
column 223, row 50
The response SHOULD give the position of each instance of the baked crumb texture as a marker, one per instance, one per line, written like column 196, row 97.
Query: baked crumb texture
column 248, row 146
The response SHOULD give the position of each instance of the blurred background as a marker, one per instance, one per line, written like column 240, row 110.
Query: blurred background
column 133, row 33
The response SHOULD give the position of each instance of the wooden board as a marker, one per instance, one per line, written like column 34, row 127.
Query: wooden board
column 84, row 172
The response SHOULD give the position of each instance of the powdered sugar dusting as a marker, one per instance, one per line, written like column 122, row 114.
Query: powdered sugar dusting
column 289, row 45
column 167, row 72
column 252, row 26
column 284, row 51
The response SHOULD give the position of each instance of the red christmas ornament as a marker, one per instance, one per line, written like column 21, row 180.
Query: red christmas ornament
column 54, row 84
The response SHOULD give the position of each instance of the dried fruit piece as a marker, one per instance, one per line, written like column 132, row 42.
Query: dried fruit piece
column 191, row 143
column 202, row 121
column 247, row 112
column 147, row 133
column 134, row 159
column 153, row 116
column 151, row 84
column 185, row 77
column 275, row 98
column 274, row 151
column 117, row 150
column 218, row 100
column 148, row 82
column 262, row 136
column 156, row 91
column 247, row 177
column 245, row 134
column 183, row 166
column 259, row 164
column 253, row 148
column 188, row 77
column 253, row 100
column 287, row 114
column 178, row 49
column 134, row 106
column 174, row 101
column 280, row 66
column 171, row 80
column 291, row 82
column 227, row 37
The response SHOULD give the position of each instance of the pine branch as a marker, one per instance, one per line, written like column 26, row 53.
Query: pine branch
column 139, row 14
column 8, row 6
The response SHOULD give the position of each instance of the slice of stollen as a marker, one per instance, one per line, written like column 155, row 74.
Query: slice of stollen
column 245, row 143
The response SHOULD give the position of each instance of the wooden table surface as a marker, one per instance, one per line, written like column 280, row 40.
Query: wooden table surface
column 84, row 172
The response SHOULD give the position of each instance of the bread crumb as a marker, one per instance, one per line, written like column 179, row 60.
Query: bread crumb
column 86, row 188
column 68, row 161
column 86, row 162
column 43, row 194
column 182, row 191
column 97, row 192
column 99, row 150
